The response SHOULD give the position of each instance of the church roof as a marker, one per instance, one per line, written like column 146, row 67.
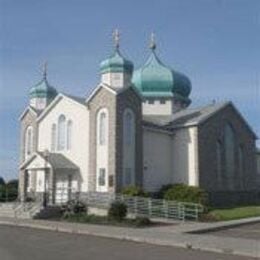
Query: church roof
column 80, row 100
column 186, row 117
column 59, row 161
column 190, row 117
column 56, row 160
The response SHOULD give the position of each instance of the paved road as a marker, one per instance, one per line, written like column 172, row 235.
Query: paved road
column 18, row 243
column 251, row 231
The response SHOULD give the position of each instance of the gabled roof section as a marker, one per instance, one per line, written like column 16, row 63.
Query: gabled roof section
column 56, row 160
column 114, row 91
column 27, row 109
column 77, row 100
column 193, row 116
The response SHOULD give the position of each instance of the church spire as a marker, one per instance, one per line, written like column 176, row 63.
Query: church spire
column 116, row 38
column 152, row 44
column 45, row 67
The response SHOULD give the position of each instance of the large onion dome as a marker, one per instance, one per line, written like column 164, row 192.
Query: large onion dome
column 154, row 79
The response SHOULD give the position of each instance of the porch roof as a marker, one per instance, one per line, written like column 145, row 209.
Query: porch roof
column 55, row 160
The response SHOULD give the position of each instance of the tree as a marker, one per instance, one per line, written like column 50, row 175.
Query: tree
column 2, row 181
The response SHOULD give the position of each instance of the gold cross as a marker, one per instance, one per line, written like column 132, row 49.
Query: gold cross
column 116, row 38
column 152, row 42
column 45, row 67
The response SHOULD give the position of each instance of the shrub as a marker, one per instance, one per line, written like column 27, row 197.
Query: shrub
column 117, row 211
column 163, row 190
column 134, row 191
column 185, row 193
column 73, row 207
column 142, row 221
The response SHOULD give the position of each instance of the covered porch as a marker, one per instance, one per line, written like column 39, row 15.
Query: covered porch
column 49, row 177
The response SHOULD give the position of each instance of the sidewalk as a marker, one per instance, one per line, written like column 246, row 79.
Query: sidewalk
column 170, row 235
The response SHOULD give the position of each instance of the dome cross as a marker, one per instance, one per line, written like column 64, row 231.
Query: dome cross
column 45, row 68
column 116, row 38
column 152, row 44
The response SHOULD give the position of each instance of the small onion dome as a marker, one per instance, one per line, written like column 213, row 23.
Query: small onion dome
column 43, row 90
column 154, row 79
column 116, row 63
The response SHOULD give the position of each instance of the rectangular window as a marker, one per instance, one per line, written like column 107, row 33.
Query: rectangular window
column 150, row 101
column 102, row 177
column 162, row 101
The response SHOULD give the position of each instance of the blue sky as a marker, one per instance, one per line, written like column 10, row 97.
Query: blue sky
column 215, row 42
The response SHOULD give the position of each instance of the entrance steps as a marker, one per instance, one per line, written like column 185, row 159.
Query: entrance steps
column 28, row 210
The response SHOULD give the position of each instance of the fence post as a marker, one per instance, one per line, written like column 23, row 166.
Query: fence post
column 150, row 207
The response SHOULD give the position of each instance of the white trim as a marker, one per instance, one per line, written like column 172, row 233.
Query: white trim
column 27, row 109
column 57, row 99
column 111, row 90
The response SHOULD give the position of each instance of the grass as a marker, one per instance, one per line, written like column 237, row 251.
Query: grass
column 104, row 220
column 232, row 213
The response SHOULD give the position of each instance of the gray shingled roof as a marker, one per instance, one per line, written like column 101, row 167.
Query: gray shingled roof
column 59, row 161
column 80, row 100
column 185, row 117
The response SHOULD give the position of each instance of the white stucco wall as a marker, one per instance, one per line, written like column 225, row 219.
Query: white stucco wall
column 116, row 80
column 157, row 108
column 79, row 152
column 157, row 159
column 185, row 156
column 170, row 158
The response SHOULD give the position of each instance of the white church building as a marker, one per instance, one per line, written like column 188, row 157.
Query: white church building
column 135, row 128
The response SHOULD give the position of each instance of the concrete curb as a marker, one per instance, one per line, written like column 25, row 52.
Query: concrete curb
column 185, row 243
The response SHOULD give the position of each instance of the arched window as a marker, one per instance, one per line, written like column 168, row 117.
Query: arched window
column 28, row 141
column 69, row 134
column 128, row 127
column 219, row 159
column 241, row 159
column 102, row 128
column 53, row 137
column 61, row 132
column 229, row 150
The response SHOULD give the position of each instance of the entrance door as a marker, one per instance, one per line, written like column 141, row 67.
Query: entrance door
column 62, row 186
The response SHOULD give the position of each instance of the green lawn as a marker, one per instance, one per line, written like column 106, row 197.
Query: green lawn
column 235, row 213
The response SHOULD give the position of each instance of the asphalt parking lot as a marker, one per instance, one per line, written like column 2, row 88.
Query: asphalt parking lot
column 249, row 231
column 18, row 243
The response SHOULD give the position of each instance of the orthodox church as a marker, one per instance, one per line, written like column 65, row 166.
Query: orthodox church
column 135, row 128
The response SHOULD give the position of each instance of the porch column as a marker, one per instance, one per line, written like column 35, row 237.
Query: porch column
column 52, row 186
column 22, row 185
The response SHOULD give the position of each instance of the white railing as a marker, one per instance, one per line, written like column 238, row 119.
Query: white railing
column 142, row 206
column 136, row 206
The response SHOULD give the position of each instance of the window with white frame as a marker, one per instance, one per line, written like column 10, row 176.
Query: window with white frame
column 61, row 133
column 102, row 127
column 69, row 134
column 28, row 141
column 53, row 137
column 102, row 177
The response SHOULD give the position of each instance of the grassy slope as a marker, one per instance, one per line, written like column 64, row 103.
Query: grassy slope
column 236, row 213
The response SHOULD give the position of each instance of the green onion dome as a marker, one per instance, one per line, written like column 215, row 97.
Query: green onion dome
column 116, row 63
column 43, row 90
column 154, row 79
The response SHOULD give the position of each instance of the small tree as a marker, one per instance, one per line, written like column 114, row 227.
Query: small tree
column 117, row 211
column 185, row 193
column 134, row 191
column 2, row 181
